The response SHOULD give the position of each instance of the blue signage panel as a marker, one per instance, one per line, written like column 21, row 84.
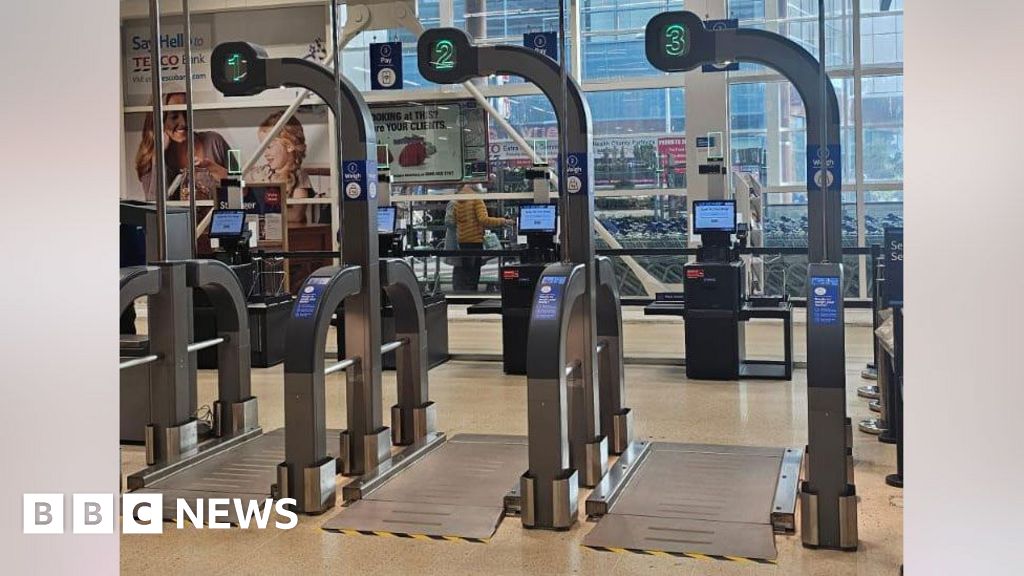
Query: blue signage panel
column 548, row 298
column 309, row 295
column 705, row 142
column 824, row 167
column 386, row 66
column 824, row 300
column 721, row 25
column 357, row 183
column 893, row 292
column 544, row 42
column 576, row 173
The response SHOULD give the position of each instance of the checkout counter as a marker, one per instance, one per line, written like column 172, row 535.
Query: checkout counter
column 715, row 304
column 538, row 223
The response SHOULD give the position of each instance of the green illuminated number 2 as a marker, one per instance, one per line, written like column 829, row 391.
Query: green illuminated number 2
column 675, row 40
column 444, row 51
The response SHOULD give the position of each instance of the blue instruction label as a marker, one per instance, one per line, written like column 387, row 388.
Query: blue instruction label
column 544, row 42
column 824, row 167
column 359, row 179
column 548, row 298
column 824, row 302
column 386, row 66
column 577, row 179
column 309, row 295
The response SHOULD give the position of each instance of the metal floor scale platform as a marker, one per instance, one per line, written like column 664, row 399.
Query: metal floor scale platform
column 705, row 500
column 456, row 491
column 245, row 471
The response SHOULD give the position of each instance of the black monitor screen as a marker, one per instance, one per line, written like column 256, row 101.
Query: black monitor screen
column 538, row 218
column 227, row 223
column 386, row 220
column 714, row 216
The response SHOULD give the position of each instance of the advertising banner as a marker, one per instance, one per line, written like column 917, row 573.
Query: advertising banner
column 433, row 142
column 138, row 64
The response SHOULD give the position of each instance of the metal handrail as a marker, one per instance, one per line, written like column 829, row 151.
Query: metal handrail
column 138, row 361
column 349, row 362
column 197, row 346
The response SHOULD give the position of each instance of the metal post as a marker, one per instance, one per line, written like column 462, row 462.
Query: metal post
column 823, row 131
column 187, row 14
column 160, row 171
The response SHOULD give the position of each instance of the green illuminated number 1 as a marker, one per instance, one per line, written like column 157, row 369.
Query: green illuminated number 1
column 675, row 40
column 444, row 55
column 236, row 68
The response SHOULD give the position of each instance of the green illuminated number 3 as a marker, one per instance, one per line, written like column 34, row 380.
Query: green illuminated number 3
column 675, row 40
column 444, row 51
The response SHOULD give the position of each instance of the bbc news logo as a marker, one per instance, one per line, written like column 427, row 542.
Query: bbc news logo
column 144, row 513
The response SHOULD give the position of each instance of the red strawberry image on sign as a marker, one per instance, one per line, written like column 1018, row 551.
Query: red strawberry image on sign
column 415, row 152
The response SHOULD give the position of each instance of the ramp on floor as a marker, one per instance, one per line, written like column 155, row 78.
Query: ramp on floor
column 456, row 491
column 701, row 499
column 245, row 472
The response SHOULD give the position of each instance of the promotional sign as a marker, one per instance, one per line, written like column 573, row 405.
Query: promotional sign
column 672, row 153
column 544, row 42
column 386, row 66
column 138, row 64
column 721, row 25
column 893, row 292
column 264, row 205
column 824, row 302
column 548, row 298
column 284, row 32
column 309, row 295
column 824, row 168
column 434, row 142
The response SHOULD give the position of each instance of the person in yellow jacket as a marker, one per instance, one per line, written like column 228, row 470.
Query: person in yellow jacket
column 471, row 219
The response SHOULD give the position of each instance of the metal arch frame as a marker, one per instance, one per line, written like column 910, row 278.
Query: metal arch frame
column 236, row 409
column 549, row 489
column 546, row 500
column 828, row 494
column 414, row 416
column 308, row 472
column 172, row 439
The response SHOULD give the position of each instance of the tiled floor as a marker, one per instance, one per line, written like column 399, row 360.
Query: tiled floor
column 477, row 397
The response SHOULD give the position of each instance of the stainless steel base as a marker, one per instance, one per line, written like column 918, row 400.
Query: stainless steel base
column 869, row 374
column 869, row 392
column 875, row 406
column 604, row 495
column 873, row 426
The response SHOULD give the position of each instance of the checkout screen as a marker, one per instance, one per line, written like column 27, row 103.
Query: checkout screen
column 537, row 218
column 386, row 220
column 227, row 223
column 714, row 216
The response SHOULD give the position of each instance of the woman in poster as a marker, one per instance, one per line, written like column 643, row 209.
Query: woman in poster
column 284, row 158
column 211, row 154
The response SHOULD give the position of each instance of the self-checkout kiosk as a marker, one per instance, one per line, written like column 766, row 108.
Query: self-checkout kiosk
column 538, row 223
column 714, row 287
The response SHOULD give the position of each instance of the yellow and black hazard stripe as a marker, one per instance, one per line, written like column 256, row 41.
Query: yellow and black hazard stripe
column 430, row 537
column 692, row 555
